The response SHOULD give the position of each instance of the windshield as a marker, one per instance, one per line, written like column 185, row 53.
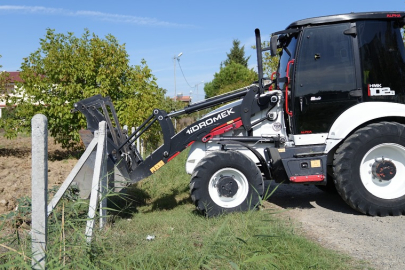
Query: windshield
column 288, row 44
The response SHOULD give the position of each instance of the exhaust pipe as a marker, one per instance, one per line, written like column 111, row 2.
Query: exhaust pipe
column 259, row 59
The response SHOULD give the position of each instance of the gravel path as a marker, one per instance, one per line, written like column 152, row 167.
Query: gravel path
column 330, row 221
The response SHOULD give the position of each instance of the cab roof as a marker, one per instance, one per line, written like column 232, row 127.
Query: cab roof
column 349, row 17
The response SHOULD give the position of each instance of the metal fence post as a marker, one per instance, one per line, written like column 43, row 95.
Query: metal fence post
column 39, row 124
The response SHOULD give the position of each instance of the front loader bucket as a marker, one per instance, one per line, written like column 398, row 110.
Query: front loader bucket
column 96, row 109
column 117, row 173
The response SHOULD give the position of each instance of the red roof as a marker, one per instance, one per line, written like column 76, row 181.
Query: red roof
column 184, row 98
column 14, row 76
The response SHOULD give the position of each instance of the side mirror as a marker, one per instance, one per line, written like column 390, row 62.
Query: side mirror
column 273, row 45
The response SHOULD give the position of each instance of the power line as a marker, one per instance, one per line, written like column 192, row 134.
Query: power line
column 178, row 60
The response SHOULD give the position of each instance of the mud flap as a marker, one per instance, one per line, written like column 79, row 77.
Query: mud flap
column 306, row 164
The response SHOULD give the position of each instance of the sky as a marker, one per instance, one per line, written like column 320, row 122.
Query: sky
column 158, row 31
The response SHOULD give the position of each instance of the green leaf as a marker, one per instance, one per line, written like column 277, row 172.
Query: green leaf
column 234, row 265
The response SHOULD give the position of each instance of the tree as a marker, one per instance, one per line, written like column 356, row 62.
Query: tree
column 233, row 73
column 270, row 63
column 4, row 79
column 66, row 69
column 230, row 77
column 237, row 55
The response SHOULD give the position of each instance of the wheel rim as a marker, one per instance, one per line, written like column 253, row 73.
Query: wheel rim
column 384, row 187
column 236, row 194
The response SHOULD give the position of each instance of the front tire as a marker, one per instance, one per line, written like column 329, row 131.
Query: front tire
column 224, row 182
column 370, row 169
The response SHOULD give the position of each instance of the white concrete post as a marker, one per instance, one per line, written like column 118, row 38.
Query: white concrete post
column 39, row 176
column 132, row 131
column 103, row 177
column 142, row 148
column 138, row 145
column 94, row 195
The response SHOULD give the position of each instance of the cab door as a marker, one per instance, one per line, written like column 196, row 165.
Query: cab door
column 325, row 78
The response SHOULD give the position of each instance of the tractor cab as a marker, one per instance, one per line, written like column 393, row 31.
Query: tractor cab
column 328, row 64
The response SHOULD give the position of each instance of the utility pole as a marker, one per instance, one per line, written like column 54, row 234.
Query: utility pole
column 174, row 67
column 196, row 100
column 175, row 94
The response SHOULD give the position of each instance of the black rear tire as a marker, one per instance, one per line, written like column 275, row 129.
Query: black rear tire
column 369, row 169
column 224, row 182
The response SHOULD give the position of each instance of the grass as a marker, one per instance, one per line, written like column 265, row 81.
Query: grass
column 185, row 240
column 160, row 206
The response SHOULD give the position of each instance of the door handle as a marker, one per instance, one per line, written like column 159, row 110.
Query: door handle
column 286, row 87
column 356, row 93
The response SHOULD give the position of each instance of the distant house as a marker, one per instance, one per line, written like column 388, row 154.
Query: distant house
column 9, row 88
column 185, row 99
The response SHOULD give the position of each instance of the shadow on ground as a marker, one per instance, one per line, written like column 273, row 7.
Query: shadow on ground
column 170, row 201
column 289, row 196
column 127, row 202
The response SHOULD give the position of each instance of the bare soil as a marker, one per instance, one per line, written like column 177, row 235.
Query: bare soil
column 15, row 169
